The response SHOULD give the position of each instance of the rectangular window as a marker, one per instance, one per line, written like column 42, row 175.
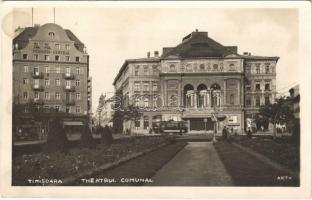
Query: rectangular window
column 78, row 70
column 36, row 57
column 78, row 109
column 257, row 101
column 36, row 83
column 146, row 87
column 77, row 83
column 267, row 100
column 146, row 122
column 47, row 95
column 67, row 58
column 67, row 46
column 36, row 95
column 25, row 95
column 78, row 96
column 25, row 68
column 258, row 87
column 57, row 108
column 248, row 87
column 47, row 82
column 57, row 58
column 67, row 84
column 58, row 70
column 46, row 69
column 155, row 70
column 155, row 86
column 25, row 56
column 145, row 68
column 57, row 95
column 36, row 45
column 46, row 57
column 258, row 68
column 248, row 102
column 57, row 82
column 58, row 46
column 267, row 69
column 77, row 59
column 36, row 71
column 67, row 70
column 267, row 86
column 25, row 81
column 137, row 86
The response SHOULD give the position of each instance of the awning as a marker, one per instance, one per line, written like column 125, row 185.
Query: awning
column 73, row 123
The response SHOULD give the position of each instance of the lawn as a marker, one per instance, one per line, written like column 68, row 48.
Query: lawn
column 142, row 167
column 281, row 150
column 246, row 170
column 77, row 160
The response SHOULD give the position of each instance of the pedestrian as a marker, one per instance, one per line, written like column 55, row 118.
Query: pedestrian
column 224, row 133
column 249, row 133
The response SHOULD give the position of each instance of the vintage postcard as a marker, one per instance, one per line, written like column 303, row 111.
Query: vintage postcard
column 156, row 99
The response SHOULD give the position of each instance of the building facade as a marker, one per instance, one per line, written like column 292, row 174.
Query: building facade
column 198, row 81
column 51, row 71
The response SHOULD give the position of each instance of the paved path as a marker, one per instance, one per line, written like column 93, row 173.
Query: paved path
column 198, row 164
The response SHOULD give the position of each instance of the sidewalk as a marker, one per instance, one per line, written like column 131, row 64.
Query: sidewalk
column 198, row 164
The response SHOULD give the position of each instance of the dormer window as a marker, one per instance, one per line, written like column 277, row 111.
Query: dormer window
column 51, row 34
column 77, row 59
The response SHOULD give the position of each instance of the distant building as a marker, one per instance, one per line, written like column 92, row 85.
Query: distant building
column 51, row 72
column 195, row 81
column 104, row 116
column 295, row 98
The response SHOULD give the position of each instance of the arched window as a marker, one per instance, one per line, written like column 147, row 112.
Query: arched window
column 202, row 89
column 216, row 95
column 188, row 90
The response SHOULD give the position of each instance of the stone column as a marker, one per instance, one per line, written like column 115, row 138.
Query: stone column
column 195, row 98
column 224, row 92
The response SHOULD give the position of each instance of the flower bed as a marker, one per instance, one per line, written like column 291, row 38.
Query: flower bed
column 77, row 160
column 280, row 150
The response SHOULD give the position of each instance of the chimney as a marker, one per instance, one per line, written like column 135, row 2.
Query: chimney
column 156, row 54
column 196, row 30
column 249, row 54
column 148, row 54
column 246, row 53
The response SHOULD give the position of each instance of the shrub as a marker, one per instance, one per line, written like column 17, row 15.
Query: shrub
column 107, row 137
column 86, row 139
column 57, row 139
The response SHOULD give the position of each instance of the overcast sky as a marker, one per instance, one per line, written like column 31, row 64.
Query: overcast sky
column 112, row 35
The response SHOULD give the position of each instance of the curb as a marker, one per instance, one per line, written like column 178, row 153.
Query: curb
column 267, row 160
column 107, row 166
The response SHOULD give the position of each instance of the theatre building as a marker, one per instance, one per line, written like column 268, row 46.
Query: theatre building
column 50, row 73
column 201, row 82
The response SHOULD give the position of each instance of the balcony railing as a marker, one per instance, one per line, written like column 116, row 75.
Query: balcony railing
column 38, row 101
column 70, row 102
column 38, row 75
column 70, row 88
column 69, row 76
column 37, row 87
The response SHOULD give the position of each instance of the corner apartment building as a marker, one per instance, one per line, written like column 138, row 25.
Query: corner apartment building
column 51, row 71
column 196, row 80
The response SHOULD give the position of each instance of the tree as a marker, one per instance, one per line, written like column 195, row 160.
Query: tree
column 100, row 107
column 130, row 113
column 278, row 112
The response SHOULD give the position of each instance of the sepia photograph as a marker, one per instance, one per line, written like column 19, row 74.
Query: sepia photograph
column 149, row 96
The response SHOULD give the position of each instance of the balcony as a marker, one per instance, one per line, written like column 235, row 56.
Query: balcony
column 38, row 101
column 37, row 75
column 69, row 102
column 69, row 88
column 69, row 76
column 38, row 87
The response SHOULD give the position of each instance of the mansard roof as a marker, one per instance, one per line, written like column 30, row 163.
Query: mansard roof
column 198, row 44
column 23, row 37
